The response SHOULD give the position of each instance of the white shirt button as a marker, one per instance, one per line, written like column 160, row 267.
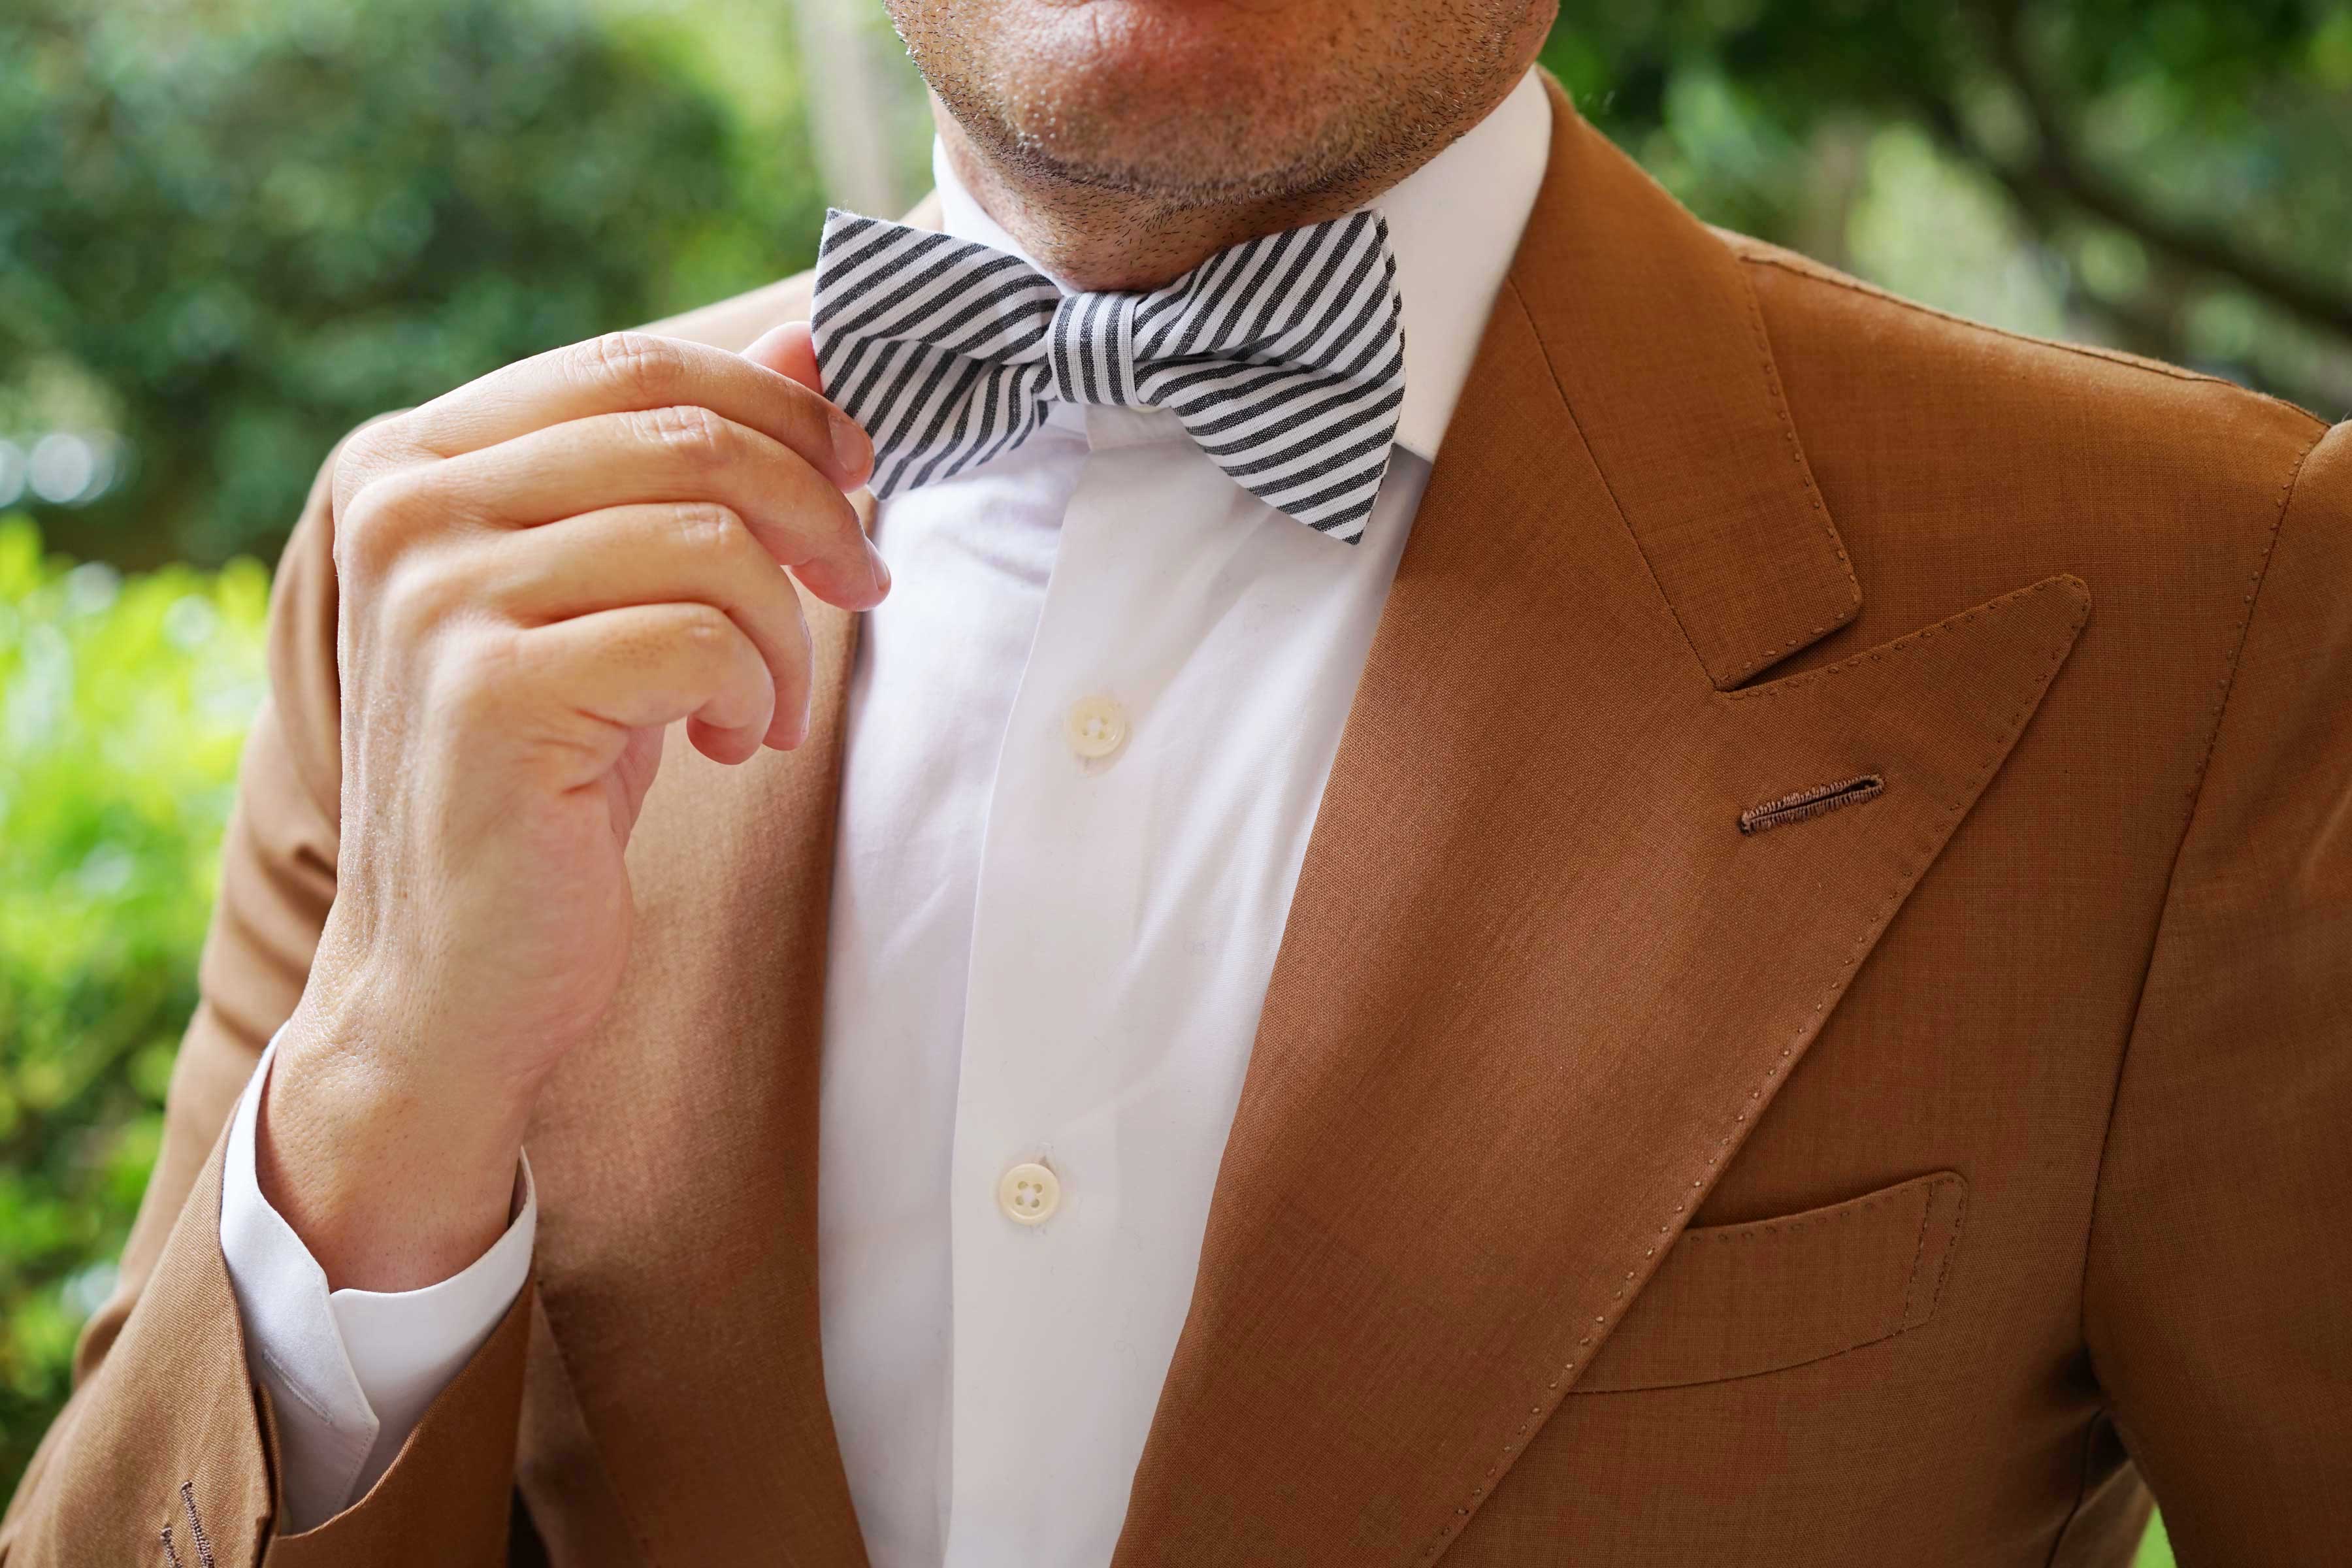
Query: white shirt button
column 1029, row 1194
column 1096, row 726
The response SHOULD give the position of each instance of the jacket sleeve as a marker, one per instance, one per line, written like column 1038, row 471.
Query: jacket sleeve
column 2218, row 1299
column 167, row 1430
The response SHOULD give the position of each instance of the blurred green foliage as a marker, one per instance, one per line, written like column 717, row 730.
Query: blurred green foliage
column 2171, row 177
column 250, row 225
column 122, row 705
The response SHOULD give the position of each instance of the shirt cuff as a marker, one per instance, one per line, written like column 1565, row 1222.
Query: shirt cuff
column 350, row 1372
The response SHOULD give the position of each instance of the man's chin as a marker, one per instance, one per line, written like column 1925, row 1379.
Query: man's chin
column 1186, row 159
column 1196, row 102
column 1141, row 124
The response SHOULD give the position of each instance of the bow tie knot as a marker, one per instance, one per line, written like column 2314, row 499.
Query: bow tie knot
column 1091, row 349
column 1282, row 356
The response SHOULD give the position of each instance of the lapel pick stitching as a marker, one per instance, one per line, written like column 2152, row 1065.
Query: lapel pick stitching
column 1807, row 803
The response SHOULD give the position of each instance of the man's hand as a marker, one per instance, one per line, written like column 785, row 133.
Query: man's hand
column 539, row 571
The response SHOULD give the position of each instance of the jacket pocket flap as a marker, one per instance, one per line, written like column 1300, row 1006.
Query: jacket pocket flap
column 1733, row 1301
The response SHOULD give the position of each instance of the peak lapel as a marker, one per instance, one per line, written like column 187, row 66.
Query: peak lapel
column 1537, row 983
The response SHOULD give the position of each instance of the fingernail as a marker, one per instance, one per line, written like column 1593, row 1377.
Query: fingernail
column 881, row 568
column 850, row 446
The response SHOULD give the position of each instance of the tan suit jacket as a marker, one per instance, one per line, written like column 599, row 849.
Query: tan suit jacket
column 1920, row 1181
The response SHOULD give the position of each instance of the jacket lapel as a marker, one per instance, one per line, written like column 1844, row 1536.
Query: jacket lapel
column 677, row 1159
column 1536, row 982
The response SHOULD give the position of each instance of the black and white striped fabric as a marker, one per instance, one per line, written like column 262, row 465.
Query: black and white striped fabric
column 1283, row 356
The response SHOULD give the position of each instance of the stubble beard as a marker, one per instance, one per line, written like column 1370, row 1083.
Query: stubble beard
column 1355, row 122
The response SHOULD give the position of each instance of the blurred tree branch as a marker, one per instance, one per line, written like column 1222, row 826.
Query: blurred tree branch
column 2059, row 166
column 2210, row 140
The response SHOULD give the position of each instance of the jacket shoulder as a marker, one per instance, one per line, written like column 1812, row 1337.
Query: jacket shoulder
column 1930, row 435
column 1819, row 308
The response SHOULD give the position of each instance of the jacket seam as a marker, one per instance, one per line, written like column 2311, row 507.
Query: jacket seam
column 2171, row 881
column 1836, row 279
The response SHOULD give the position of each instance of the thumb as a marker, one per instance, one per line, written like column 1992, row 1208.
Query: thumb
column 788, row 350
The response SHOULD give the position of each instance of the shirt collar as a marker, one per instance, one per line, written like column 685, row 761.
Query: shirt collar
column 1453, row 224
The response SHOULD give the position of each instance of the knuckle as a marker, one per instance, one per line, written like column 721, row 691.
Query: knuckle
column 419, row 594
column 692, row 434
column 635, row 363
column 708, row 630
column 366, row 450
column 385, row 514
column 386, row 441
column 712, row 527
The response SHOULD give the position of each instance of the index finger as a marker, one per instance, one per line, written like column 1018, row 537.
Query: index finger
column 633, row 371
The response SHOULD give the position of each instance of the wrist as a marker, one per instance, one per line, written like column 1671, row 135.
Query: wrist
column 395, row 1175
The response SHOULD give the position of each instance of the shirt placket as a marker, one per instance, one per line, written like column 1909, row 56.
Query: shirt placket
column 1052, row 1194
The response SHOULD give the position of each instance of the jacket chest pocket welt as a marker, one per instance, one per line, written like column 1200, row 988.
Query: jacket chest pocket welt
column 1733, row 1300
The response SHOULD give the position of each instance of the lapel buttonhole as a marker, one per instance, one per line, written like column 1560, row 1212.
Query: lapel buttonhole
column 1813, row 802
column 195, row 1531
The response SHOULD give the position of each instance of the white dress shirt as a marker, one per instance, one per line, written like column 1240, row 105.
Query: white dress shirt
column 1086, row 736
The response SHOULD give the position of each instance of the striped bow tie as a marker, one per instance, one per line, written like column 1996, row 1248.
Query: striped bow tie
column 1283, row 356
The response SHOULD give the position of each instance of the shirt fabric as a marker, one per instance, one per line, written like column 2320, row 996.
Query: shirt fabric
column 1039, row 952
